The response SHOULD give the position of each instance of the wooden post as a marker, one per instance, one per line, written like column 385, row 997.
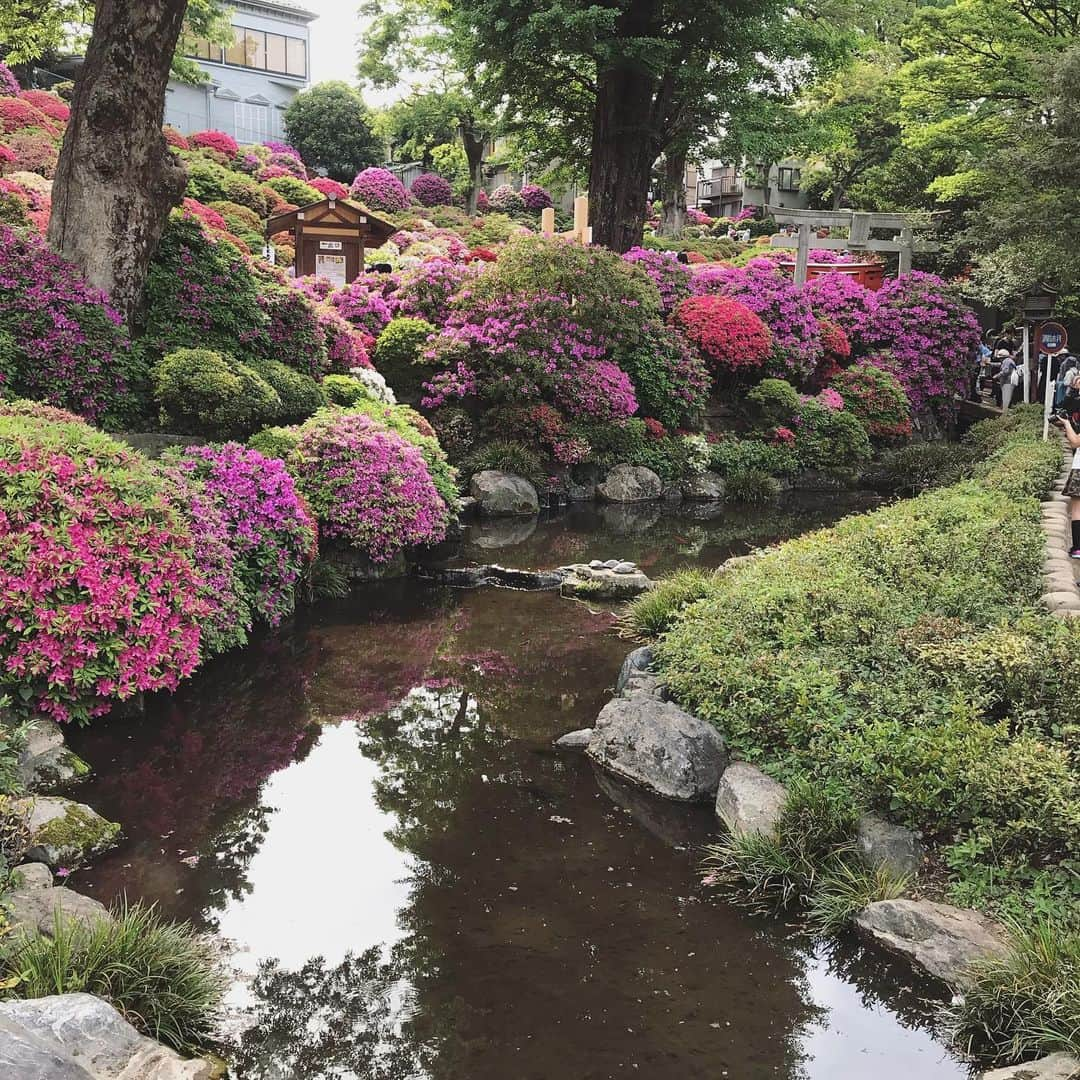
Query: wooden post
column 581, row 218
column 802, row 255
column 547, row 221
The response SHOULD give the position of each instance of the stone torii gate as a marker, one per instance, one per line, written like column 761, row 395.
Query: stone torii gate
column 860, row 228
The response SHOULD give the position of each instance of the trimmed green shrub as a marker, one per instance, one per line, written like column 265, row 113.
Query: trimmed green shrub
column 830, row 440
column 202, row 392
column 294, row 191
column 345, row 390
column 877, row 398
column 632, row 443
column 751, row 486
column 397, row 354
column 909, row 470
column 775, row 401
column 163, row 977
column 275, row 442
column 731, row 457
column 300, row 394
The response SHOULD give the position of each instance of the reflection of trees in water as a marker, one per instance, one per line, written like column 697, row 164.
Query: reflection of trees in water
column 185, row 780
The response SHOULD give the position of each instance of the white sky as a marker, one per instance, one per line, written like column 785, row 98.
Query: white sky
column 334, row 36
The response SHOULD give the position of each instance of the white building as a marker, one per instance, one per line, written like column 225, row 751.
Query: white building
column 253, row 80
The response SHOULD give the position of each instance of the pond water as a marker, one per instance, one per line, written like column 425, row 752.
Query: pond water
column 418, row 887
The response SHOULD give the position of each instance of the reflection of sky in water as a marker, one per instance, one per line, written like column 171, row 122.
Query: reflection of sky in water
column 854, row 1030
column 326, row 880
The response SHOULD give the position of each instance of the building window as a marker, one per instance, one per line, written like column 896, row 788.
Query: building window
column 788, row 179
column 255, row 49
column 252, row 122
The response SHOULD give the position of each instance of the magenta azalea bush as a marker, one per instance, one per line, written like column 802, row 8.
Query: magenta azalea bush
column 101, row 596
column 65, row 344
column 780, row 304
column 521, row 350
column 842, row 300
column 671, row 277
column 9, row 85
column 367, row 485
column 596, row 390
column 364, row 303
column 426, row 290
column 270, row 530
column 430, row 189
column 380, row 189
column 220, row 141
column 535, row 197
column 924, row 335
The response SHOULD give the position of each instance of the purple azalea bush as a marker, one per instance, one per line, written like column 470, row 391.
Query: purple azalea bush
column 68, row 346
column 380, row 189
column 780, row 304
column 925, row 335
column 367, row 485
column 364, row 303
column 671, row 277
column 430, row 189
column 535, row 197
column 9, row 85
column 270, row 531
column 426, row 290
column 840, row 299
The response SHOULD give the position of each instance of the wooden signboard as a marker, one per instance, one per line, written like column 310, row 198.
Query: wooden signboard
column 331, row 238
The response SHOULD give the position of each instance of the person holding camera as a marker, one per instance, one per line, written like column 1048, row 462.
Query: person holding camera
column 1072, row 484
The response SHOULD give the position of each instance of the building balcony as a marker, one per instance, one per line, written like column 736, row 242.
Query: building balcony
column 722, row 187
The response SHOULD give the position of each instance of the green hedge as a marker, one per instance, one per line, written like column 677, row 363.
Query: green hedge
column 901, row 657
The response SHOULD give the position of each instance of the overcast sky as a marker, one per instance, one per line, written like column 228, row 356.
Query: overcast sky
column 334, row 37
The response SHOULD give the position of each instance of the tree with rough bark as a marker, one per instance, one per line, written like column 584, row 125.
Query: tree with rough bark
column 117, row 180
column 652, row 74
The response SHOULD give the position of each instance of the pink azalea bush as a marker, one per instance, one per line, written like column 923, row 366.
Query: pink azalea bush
column 34, row 151
column 430, row 189
column 671, row 277
column 9, row 85
column 367, row 485
column 697, row 217
column 277, row 147
column 55, row 108
column 332, row 189
column 596, row 390
column 847, row 303
column 364, row 304
column 925, row 335
column 781, row 305
column 68, row 346
column 505, row 199
column 269, row 528
column 219, row 141
column 535, row 197
column 426, row 290
column 102, row 599
column 380, row 189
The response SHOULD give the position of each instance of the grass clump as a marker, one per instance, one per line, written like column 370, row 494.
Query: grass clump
column 1026, row 1003
column 655, row 611
column 163, row 977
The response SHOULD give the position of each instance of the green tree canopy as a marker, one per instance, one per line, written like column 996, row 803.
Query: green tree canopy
column 334, row 130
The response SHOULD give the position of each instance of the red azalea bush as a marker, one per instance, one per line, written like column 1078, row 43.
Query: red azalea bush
column 101, row 596
column 367, row 485
column 16, row 114
column 34, row 151
column 380, row 189
column 483, row 203
column 330, row 188
column 68, row 346
column 219, row 141
column 876, row 397
column 728, row 334
column 483, row 255
column 53, row 107
column 430, row 189
column 270, row 530
column 174, row 138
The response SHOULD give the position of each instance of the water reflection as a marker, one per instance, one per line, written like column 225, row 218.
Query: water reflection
column 420, row 887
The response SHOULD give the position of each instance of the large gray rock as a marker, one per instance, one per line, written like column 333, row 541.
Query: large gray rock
column 33, row 904
column 575, row 740
column 629, row 484
column 659, row 746
column 45, row 761
column 637, row 661
column 66, row 833
column 943, row 940
column 747, row 801
column 81, row 1037
column 1055, row 1067
column 500, row 494
column 704, row 487
column 890, row 847
column 620, row 582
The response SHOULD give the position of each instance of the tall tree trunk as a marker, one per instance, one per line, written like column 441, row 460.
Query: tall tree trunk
column 472, row 139
column 116, row 180
column 623, row 152
column 673, row 212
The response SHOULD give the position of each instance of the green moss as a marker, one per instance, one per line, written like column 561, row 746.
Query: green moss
column 77, row 830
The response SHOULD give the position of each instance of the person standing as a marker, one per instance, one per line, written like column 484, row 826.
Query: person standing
column 1008, row 377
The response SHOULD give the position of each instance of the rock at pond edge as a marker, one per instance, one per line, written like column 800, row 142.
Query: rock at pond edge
column 501, row 494
column 1059, row 1066
column 65, row 833
column 748, row 801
